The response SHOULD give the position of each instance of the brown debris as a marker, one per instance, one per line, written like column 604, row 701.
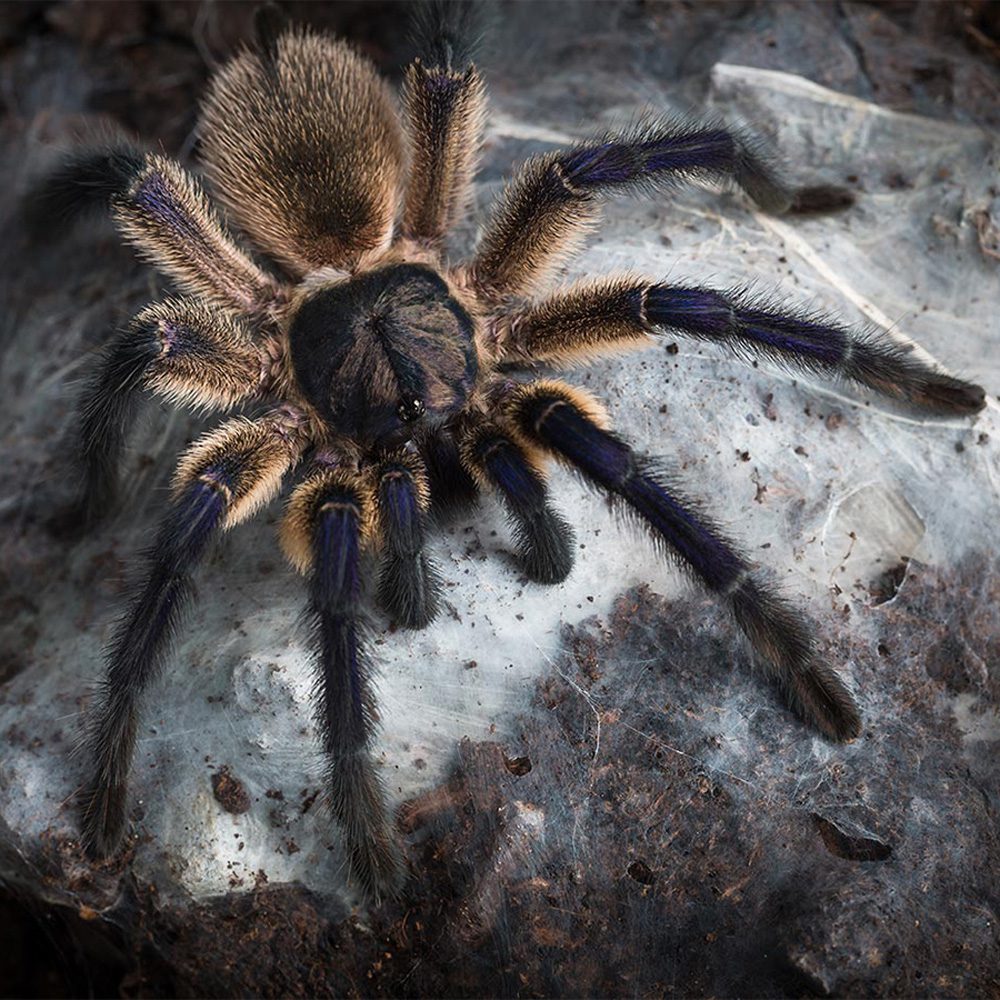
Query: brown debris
column 230, row 792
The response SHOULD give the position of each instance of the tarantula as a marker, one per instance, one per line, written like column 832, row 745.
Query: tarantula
column 384, row 370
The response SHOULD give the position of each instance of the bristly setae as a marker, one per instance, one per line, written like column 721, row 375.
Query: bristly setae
column 380, row 371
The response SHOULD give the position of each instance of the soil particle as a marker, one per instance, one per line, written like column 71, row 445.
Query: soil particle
column 230, row 792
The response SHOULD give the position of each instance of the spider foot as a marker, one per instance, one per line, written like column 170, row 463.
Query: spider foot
column 817, row 199
column 377, row 867
column 102, row 825
column 781, row 635
column 946, row 394
column 357, row 801
column 408, row 590
column 545, row 547
column 819, row 696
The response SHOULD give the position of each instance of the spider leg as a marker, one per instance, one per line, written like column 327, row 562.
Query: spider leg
column 330, row 516
column 566, row 422
column 444, row 107
column 162, row 211
column 551, row 204
column 544, row 539
column 600, row 317
column 221, row 480
column 452, row 489
column 182, row 349
column 409, row 583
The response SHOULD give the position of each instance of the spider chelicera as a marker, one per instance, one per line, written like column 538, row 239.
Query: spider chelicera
column 383, row 371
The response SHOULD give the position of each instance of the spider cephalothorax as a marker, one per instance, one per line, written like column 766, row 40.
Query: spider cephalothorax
column 382, row 370
column 377, row 353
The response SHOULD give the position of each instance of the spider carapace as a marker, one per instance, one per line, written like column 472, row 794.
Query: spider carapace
column 378, row 372
column 379, row 353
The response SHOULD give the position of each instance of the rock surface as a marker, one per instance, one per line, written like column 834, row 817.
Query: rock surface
column 598, row 795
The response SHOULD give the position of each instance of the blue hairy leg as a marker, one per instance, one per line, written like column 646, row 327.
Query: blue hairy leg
column 595, row 317
column 345, row 708
column 137, row 650
column 408, row 581
column 543, row 538
column 809, row 343
column 554, row 199
column 553, row 418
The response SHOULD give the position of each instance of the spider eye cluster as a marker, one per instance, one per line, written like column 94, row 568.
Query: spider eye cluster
column 384, row 351
column 411, row 408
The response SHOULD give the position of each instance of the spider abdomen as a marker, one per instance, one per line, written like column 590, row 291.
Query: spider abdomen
column 375, row 354
column 303, row 146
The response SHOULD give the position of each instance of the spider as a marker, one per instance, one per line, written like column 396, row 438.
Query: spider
column 388, row 374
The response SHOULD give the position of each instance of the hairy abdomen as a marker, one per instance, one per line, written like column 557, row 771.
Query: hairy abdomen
column 303, row 146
